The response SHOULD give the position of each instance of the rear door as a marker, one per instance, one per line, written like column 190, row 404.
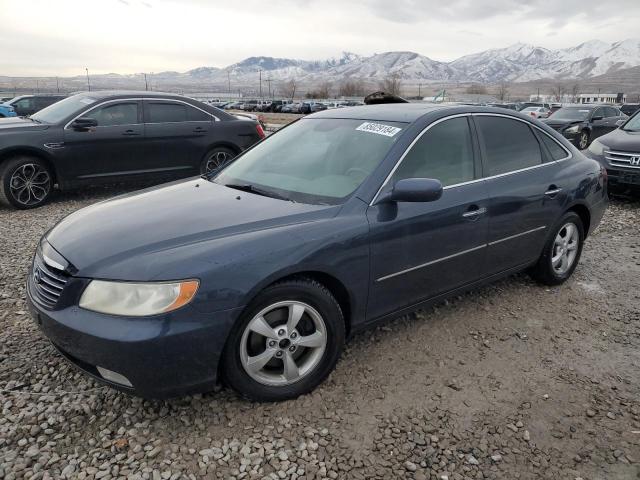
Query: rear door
column 525, row 192
column 114, row 148
column 422, row 249
column 599, row 123
column 177, row 136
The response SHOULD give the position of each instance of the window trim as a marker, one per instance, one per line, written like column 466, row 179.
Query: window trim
column 137, row 99
column 475, row 134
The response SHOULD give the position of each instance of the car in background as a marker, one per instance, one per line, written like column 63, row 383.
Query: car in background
column 353, row 103
column 536, row 112
column 258, row 273
column 291, row 108
column 619, row 152
column 630, row 108
column 250, row 105
column 233, row 106
column 106, row 137
column 523, row 105
column 25, row 105
column 338, row 104
column 312, row 107
column 508, row 106
column 581, row 124
column 276, row 105
column 7, row 110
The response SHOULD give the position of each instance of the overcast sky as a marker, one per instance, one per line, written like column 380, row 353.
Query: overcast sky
column 62, row 37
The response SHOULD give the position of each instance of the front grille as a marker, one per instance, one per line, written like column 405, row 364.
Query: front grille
column 47, row 283
column 623, row 159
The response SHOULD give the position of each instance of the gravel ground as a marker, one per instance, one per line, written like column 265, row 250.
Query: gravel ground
column 509, row 381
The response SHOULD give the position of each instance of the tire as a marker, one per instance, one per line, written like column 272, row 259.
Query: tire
column 216, row 158
column 583, row 140
column 550, row 272
column 321, row 325
column 25, row 182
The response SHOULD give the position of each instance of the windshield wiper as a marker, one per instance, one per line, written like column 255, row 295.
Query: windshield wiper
column 247, row 187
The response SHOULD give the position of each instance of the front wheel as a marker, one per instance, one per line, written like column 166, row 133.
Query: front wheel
column 562, row 252
column 215, row 159
column 25, row 182
column 286, row 343
column 582, row 141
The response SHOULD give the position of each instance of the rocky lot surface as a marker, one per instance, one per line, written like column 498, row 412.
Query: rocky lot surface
column 513, row 381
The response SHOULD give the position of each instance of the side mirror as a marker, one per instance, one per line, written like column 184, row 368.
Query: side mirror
column 414, row 190
column 595, row 119
column 84, row 123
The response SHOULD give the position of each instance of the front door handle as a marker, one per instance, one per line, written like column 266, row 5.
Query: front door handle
column 552, row 191
column 130, row 133
column 474, row 212
column 200, row 130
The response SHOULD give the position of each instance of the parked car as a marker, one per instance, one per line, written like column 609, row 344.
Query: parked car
column 250, row 105
column 276, row 105
column 619, row 152
column 101, row 137
column 508, row 106
column 233, row 106
column 536, row 112
column 312, row 107
column 25, row 105
column 630, row 108
column 256, row 274
column 523, row 105
column 291, row 108
column 583, row 123
column 7, row 110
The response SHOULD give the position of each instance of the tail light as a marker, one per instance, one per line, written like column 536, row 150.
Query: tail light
column 260, row 131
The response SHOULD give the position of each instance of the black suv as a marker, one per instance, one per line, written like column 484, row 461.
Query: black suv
column 581, row 124
column 29, row 104
column 106, row 137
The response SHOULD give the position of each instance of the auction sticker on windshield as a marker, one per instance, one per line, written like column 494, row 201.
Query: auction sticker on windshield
column 379, row 128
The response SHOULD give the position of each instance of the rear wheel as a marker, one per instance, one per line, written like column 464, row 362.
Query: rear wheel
column 216, row 158
column 25, row 182
column 562, row 252
column 582, row 141
column 286, row 343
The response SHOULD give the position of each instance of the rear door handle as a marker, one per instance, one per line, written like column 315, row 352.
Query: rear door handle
column 474, row 212
column 130, row 133
column 553, row 191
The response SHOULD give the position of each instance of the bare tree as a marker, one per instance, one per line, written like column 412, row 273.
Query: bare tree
column 558, row 91
column 351, row 88
column 575, row 91
column 477, row 88
column 503, row 91
column 324, row 89
column 288, row 89
column 392, row 84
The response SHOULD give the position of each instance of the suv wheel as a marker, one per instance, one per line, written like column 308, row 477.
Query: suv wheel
column 25, row 182
column 562, row 252
column 582, row 141
column 286, row 343
column 215, row 159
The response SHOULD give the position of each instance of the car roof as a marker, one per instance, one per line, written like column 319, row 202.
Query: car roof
column 103, row 94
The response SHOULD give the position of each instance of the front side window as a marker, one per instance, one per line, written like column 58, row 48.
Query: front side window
column 611, row 112
column 509, row 145
column 115, row 114
column 444, row 152
column 25, row 103
column 317, row 161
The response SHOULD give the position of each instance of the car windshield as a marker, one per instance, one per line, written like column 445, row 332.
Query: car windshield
column 60, row 110
column 633, row 124
column 571, row 114
column 531, row 109
column 317, row 161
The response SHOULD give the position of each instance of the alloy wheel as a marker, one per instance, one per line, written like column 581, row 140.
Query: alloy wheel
column 30, row 184
column 216, row 160
column 584, row 140
column 283, row 343
column 565, row 248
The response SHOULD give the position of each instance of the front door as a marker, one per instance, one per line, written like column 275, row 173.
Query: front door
column 420, row 250
column 114, row 148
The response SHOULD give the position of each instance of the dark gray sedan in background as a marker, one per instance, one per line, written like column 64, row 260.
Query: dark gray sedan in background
column 257, row 273
column 106, row 137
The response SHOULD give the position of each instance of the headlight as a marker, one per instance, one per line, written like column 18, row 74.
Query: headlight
column 574, row 129
column 597, row 148
column 137, row 299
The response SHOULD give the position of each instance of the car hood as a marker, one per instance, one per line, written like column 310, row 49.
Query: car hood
column 621, row 140
column 20, row 123
column 560, row 123
column 160, row 219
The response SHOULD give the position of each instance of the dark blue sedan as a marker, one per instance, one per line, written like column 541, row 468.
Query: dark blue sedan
column 255, row 274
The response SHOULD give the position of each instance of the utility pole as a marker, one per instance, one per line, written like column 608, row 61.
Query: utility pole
column 538, row 97
column 420, row 90
column 268, row 80
column 58, row 84
column 260, row 71
column 146, row 84
column 88, row 82
column 229, row 83
column 37, row 87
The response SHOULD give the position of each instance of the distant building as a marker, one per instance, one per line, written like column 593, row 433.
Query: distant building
column 602, row 98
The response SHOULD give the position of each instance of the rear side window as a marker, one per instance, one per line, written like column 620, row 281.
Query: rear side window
column 509, row 145
column 444, row 152
column 166, row 112
column 557, row 152
column 195, row 115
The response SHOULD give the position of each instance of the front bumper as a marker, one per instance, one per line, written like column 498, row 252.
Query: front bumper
column 627, row 178
column 162, row 356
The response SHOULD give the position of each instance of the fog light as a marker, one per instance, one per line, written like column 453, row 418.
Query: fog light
column 114, row 377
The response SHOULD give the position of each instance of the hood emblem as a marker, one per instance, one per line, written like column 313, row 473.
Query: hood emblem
column 634, row 161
